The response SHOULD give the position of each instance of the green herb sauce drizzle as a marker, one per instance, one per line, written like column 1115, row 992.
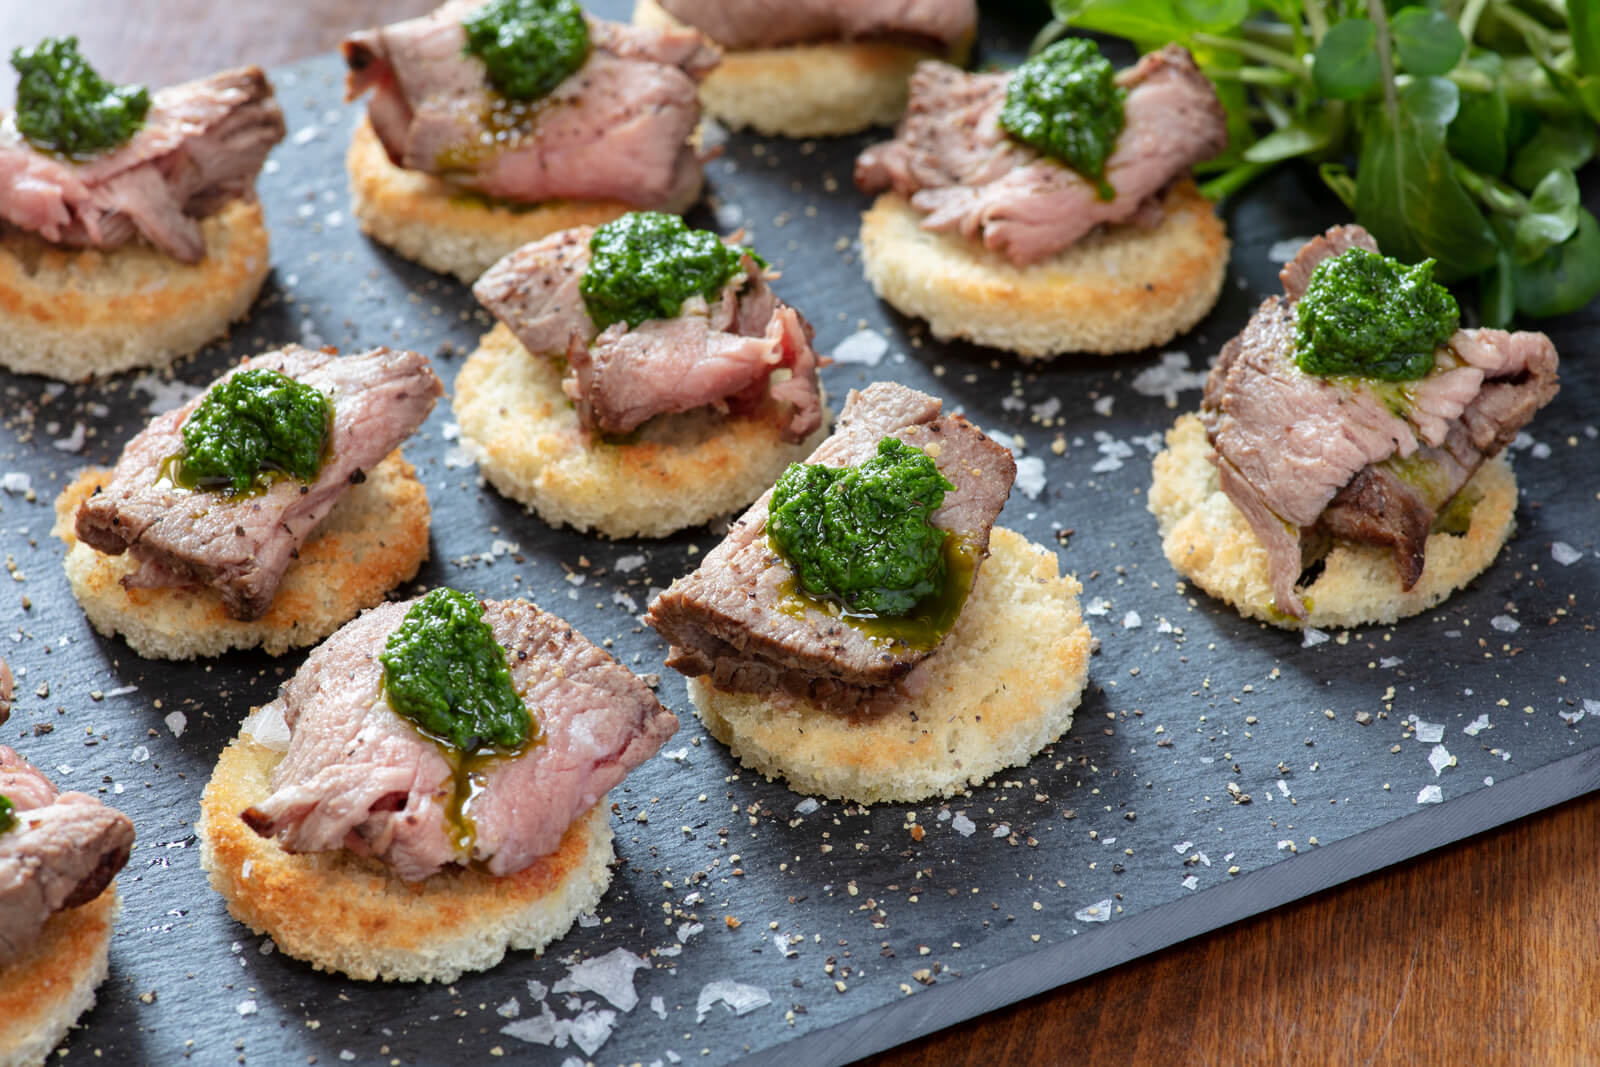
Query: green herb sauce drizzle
column 8, row 813
column 528, row 46
column 1370, row 316
column 1066, row 103
column 861, row 534
column 64, row 106
column 254, row 426
column 646, row 264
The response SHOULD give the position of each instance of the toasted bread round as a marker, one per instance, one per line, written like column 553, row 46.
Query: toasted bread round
column 43, row 992
column 349, row 914
column 1120, row 289
column 807, row 90
column 1002, row 686
column 675, row 471
column 73, row 314
column 375, row 538
column 1208, row 540
column 454, row 230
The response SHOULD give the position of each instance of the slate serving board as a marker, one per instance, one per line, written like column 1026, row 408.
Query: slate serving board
column 1119, row 839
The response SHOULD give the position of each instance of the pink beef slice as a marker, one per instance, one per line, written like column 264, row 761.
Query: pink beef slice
column 63, row 851
column 202, row 145
column 5, row 691
column 618, row 128
column 956, row 165
column 360, row 777
column 241, row 546
column 1306, row 458
column 771, row 23
column 725, row 622
column 726, row 355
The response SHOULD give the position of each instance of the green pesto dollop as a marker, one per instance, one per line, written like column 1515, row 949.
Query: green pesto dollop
column 443, row 670
column 258, row 422
column 646, row 264
column 861, row 534
column 65, row 107
column 8, row 813
column 1066, row 103
column 529, row 46
column 1367, row 315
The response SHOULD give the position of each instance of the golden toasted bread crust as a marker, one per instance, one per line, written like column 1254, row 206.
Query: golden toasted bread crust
column 1208, row 540
column 1003, row 685
column 76, row 313
column 676, row 471
column 807, row 90
column 1120, row 289
column 375, row 538
column 45, row 991
column 349, row 914
column 451, row 230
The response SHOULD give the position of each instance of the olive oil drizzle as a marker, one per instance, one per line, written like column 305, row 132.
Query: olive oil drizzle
column 922, row 628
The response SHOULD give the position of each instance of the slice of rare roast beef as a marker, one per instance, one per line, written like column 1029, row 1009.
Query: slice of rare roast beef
column 358, row 776
column 618, row 128
column 771, row 23
column 731, row 620
column 956, row 165
column 5, row 691
column 1303, row 455
column 241, row 545
column 62, row 852
column 733, row 354
column 202, row 144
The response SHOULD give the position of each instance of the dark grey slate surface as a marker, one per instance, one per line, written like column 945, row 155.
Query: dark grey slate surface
column 1132, row 807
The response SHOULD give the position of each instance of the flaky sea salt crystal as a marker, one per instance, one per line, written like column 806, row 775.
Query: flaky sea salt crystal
column 1505, row 624
column 267, row 728
column 1169, row 378
column 1430, row 794
column 1030, row 476
column 1131, row 621
column 963, row 825
column 658, row 1006
column 1312, row 636
column 1003, row 830
column 1429, row 733
column 741, row 999
column 807, row 806
column 1476, row 726
column 1439, row 759
column 1285, row 250
column 611, row 976
column 863, row 346
column 177, row 722
column 1565, row 554
column 592, row 1029
column 1095, row 913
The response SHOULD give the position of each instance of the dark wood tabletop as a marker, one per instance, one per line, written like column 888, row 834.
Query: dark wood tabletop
column 1484, row 952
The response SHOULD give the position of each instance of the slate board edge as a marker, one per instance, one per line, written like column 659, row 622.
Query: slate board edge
column 1149, row 931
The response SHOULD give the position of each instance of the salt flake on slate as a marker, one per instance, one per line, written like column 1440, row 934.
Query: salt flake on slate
column 165, row 395
column 15, row 482
column 1097, row 606
column 1285, row 250
column 1095, row 913
column 1431, row 794
column 247, row 1007
column 807, row 806
column 1190, row 882
column 611, row 976
column 537, row 990
column 658, row 1006
column 1312, row 636
column 1030, row 476
column 1131, row 621
column 73, row 442
column 1182, row 846
column 625, row 564
column 1564, row 554
column 1572, row 718
column 510, row 1009
column 1389, row 662
column 1102, row 406
column 592, row 1029
column 543, row 1029
column 588, row 919
column 863, row 346
column 676, row 755
column 688, row 930
column 1003, row 830
column 266, row 726
column 1113, row 451
column 1439, row 759
column 1168, row 378
column 963, row 825
column 1429, row 733
column 1476, row 726
column 1505, row 624
column 140, row 754
column 177, row 722
column 741, row 999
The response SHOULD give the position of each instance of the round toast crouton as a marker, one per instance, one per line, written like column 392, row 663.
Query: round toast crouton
column 74, row 314
column 44, row 991
column 674, row 471
column 1208, row 541
column 1002, row 686
column 1120, row 289
column 349, row 914
column 375, row 538
column 454, row 230
column 807, row 90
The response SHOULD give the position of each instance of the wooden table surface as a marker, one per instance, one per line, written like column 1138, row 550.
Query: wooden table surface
column 1484, row 952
